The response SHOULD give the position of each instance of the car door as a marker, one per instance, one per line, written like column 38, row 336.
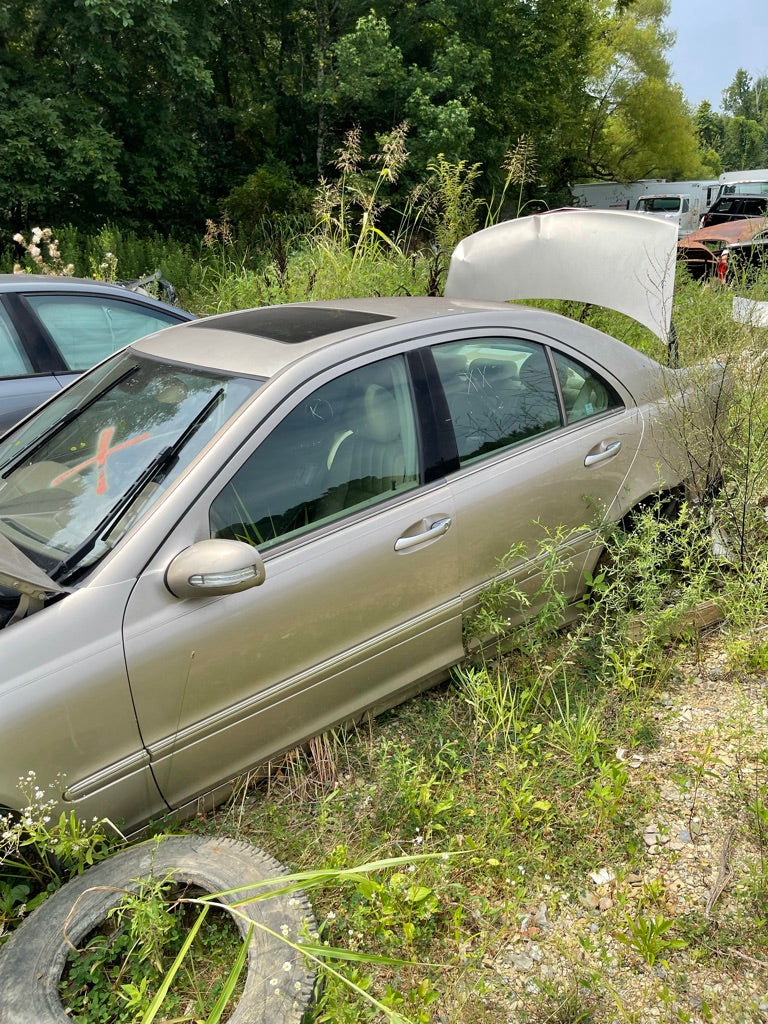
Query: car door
column 22, row 385
column 360, row 600
column 545, row 444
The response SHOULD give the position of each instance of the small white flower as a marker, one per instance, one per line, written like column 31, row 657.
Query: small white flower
column 273, row 981
column 287, row 965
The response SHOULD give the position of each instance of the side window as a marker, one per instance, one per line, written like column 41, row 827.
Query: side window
column 87, row 328
column 13, row 359
column 349, row 445
column 499, row 392
column 584, row 394
column 754, row 207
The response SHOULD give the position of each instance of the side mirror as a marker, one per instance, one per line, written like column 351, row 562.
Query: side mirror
column 212, row 568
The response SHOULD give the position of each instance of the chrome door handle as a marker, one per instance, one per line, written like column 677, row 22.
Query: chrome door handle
column 436, row 529
column 605, row 450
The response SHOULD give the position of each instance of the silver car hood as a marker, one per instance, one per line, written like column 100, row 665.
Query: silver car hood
column 622, row 260
column 20, row 573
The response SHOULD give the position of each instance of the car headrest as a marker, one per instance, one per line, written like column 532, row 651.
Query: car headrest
column 380, row 421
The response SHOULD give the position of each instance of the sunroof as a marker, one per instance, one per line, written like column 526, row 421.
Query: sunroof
column 291, row 324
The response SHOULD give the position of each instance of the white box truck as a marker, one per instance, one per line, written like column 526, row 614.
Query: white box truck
column 744, row 183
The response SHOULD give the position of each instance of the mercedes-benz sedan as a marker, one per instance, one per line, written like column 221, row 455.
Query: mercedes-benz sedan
column 236, row 533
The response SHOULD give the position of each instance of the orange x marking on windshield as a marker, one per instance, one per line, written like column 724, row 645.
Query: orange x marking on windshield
column 103, row 451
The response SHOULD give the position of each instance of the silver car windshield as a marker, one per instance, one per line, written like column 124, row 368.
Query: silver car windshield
column 77, row 475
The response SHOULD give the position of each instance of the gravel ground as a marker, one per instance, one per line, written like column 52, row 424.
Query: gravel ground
column 701, row 848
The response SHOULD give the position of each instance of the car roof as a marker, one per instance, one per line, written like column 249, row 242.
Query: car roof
column 55, row 282
column 261, row 342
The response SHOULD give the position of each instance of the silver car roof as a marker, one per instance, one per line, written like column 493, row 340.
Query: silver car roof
column 234, row 342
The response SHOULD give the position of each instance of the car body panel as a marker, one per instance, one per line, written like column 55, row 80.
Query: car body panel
column 340, row 622
column 88, row 747
column 568, row 492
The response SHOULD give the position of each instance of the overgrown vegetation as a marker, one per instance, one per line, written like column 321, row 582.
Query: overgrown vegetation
column 523, row 775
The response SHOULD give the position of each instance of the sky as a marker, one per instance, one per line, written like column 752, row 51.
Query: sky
column 714, row 39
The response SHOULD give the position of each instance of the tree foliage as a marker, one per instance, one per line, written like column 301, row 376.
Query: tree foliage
column 739, row 136
column 638, row 124
column 162, row 113
column 99, row 103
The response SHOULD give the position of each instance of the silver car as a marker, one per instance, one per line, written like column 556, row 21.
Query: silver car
column 52, row 328
column 238, row 532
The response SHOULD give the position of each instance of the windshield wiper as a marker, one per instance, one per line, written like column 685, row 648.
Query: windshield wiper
column 161, row 463
column 37, row 443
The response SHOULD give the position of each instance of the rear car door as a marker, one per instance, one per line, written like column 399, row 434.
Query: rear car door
column 361, row 596
column 545, row 444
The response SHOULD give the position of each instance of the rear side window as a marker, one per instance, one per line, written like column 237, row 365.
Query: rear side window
column 584, row 393
column 13, row 359
column 754, row 207
column 499, row 392
column 88, row 328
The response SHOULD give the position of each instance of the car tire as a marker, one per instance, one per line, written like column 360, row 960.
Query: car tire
column 279, row 983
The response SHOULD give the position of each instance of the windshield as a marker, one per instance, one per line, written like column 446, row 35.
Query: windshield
column 659, row 204
column 76, row 476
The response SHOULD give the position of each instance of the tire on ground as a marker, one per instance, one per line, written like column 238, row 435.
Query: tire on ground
column 278, row 985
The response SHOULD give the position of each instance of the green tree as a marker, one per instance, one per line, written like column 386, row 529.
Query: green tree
column 739, row 98
column 744, row 138
column 744, row 144
column 99, row 105
column 639, row 125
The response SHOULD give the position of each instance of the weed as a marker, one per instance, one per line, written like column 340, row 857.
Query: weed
column 573, row 1004
column 649, row 937
column 119, row 969
column 38, row 853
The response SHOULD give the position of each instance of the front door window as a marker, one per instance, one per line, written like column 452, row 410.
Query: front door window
column 351, row 444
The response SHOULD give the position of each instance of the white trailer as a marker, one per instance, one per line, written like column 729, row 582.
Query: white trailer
column 614, row 195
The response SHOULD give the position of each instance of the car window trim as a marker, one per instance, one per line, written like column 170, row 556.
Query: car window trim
column 439, row 449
